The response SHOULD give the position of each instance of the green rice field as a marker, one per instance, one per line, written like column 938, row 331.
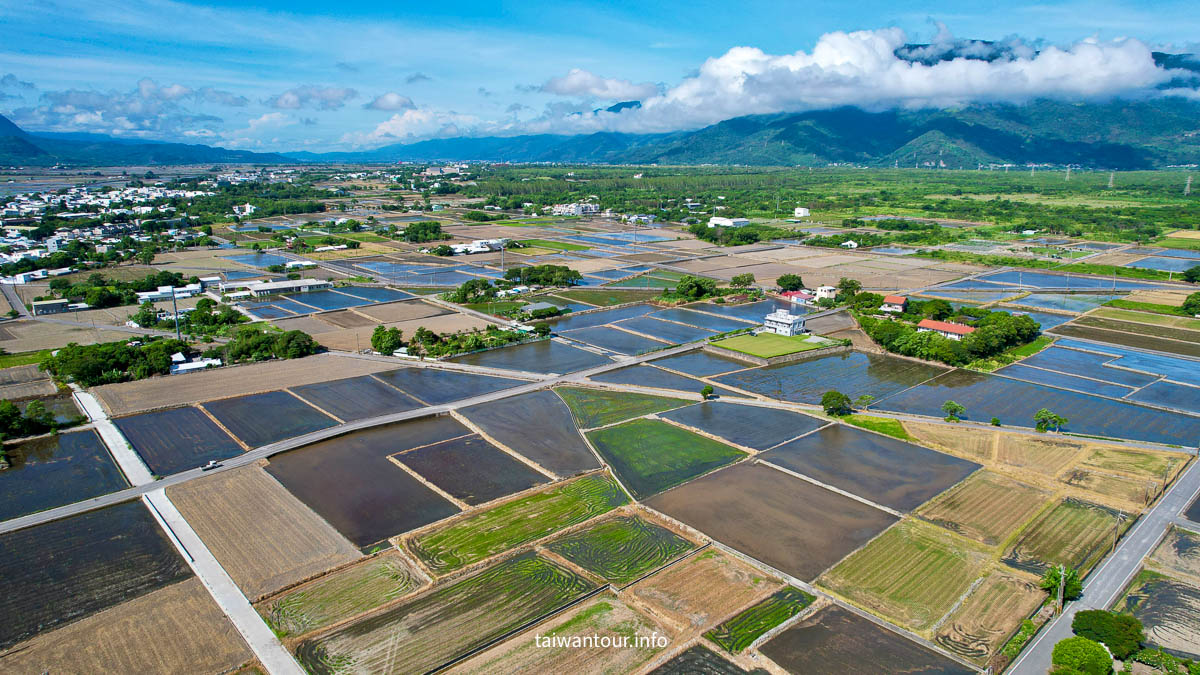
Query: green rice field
column 767, row 345
column 593, row 408
column 741, row 631
column 650, row 456
column 621, row 549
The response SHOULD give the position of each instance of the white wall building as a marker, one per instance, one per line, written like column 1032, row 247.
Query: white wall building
column 577, row 209
column 800, row 212
column 720, row 221
column 783, row 322
column 824, row 292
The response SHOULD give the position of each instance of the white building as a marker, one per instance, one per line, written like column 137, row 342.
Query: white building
column 577, row 209
column 167, row 292
column 719, row 221
column 849, row 243
column 244, row 210
column 261, row 288
column 954, row 331
column 894, row 304
column 824, row 292
column 783, row 322
column 800, row 212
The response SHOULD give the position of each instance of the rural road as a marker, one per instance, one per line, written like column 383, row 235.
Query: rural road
column 10, row 294
column 1106, row 583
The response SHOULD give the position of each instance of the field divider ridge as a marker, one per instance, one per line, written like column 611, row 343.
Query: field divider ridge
column 831, row 488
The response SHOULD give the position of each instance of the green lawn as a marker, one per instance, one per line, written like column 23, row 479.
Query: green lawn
column 650, row 456
column 23, row 358
column 605, row 297
column 495, row 307
column 1178, row 242
column 883, row 425
column 1031, row 348
column 367, row 237
column 559, row 245
column 766, row 345
column 599, row 407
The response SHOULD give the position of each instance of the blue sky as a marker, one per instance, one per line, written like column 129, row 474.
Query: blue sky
column 300, row 75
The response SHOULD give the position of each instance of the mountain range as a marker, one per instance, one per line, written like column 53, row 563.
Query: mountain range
column 1117, row 134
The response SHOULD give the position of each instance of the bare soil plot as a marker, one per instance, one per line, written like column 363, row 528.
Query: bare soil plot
column 987, row 507
column 403, row 310
column 746, row 425
column 27, row 335
column 1073, row 533
column 1123, row 339
column 168, row 392
column 263, row 536
column 835, row 640
column 21, row 374
column 1179, row 552
column 346, row 318
column 700, row 591
column 471, row 469
column 650, row 456
column 342, row 594
column 309, row 324
column 976, row 444
column 856, row 373
column 1168, row 608
column 590, row 624
column 539, row 426
column 86, row 563
column 787, row 523
column 989, row 615
column 699, row 659
column 435, row 386
column 55, row 470
column 913, row 573
column 129, row 638
column 425, row 632
column 1140, row 328
column 385, row 499
column 259, row 419
column 356, row 398
column 20, row 390
column 170, row 441
column 879, row 468
column 622, row 548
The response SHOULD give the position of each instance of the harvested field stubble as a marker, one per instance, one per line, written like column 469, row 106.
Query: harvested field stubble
column 1168, row 608
column 987, row 507
column 988, row 616
column 1073, row 533
column 698, row 591
column 1179, row 552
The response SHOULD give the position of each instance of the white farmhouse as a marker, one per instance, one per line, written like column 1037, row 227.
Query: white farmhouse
column 720, row 221
column 783, row 322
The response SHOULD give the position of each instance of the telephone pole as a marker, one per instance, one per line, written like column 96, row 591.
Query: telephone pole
column 1062, row 578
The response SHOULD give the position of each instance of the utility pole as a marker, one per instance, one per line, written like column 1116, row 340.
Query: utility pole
column 1110, row 179
column 1117, row 529
column 1068, row 174
column 1062, row 578
column 175, row 308
column 1187, row 189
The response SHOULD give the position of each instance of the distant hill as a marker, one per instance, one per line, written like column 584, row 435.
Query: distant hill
column 17, row 147
column 1118, row 135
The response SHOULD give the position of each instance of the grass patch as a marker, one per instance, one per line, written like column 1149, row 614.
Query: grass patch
column 767, row 345
column 1111, row 270
column 600, row 407
column 554, row 245
column 495, row 307
column 607, row 297
column 741, row 631
column 622, row 549
column 882, row 425
column 1152, row 307
column 1155, row 318
column 486, row 533
column 1011, row 355
column 650, row 456
column 1031, row 348
column 367, row 237
column 23, row 358
column 1179, row 242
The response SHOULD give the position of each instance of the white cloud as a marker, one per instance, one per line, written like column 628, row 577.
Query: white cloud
column 579, row 82
column 416, row 124
column 390, row 101
column 324, row 98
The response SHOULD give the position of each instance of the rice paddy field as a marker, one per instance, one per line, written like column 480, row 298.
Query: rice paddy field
column 697, row 659
column 260, row 419
column 356, row 398
column 447, row 622
column 481, row 534
column 1125, row 339
column 913, row 573
column 87, row 563
column 470, row 469
column 649, row 456
column 745, row 425
column 855, row 374
column 56, row 470
column 1073, row 533
column 790, row 524
column 385, row 499
column 343, row 594
column 702, row 319
column 836, row 640
column 594, row 408
column 621, row 549
column 177, row 439
column 667, row 331
column 878, row 468
column 699, row 363
column 538, row 426
column 698, row 592
column 543, row 356
column 987, row 507
column 988, row 616
column 740, row 631
column 1168, row 608
column 435, row 386
column 614, row 340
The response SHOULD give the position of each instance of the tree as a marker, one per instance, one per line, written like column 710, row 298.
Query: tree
column 1044, row 419
column 741, row 280
column 848, row 287
column 953, row 409
column 442, row 250
column 790, row 282
column 1072, row 587
column 695, row 288
column 1192, row 274
column 1191, row 304
column 707, row 392
column 862, row 402
column 835, row 403
column 1121, row 633
column 541, row 328
column 1082, row 655
column 146, row 255
column 387, row 340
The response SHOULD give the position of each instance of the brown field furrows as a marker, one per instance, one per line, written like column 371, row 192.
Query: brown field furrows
column 974, row 444
column 987, row 507
column 264, row 537
column 19, row 390
column 1115, row 490
column 1044, row 456
column 21, row 374
column 1179, row 553
column 988, row 616
column 1148, row 464
column 177, row 629
column 347, row 318
column 25, row 335
column 167, row 392
column 1173, row 298
column 701, row 591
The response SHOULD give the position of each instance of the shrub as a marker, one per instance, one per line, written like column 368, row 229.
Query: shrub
column 835, row 403
column 1122, row 633
column 1079, row 654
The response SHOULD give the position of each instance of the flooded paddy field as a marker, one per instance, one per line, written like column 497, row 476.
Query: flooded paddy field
column 470, row 469
column 699, row 659
column 1123, row 339
column 356, row 398
column 750, row 311
column 700, row 364
column 1064, row 381
column 1088, row 364
column 746, row 425
column 852, row 373
column 835, row 640
column 1066, row 302
column 879, row 468
column 614, row 340
column 380, row 499
column 1015, row 402
column 86, row 563
column 621, row 549
column 650, row 456
column 656, row 378
column 1139, row 328
column 1027, row 279
column 1170, row 395
column 1174, row 368
column 600, row 317
column 177, row 439
column 427, row 631
column 435, row 386
column 787, row 523
column 665, row 330
column 703, row 320
column 543, row 356
column 479, row 534
column 56, row 470
column 259, row 419
column 539, row 426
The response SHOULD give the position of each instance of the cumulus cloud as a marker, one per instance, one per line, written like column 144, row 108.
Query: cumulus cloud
column 417, row 77
column 390, row 101
column 417, row 124
column 579, row 82
column 147, row 111
column 323, row 98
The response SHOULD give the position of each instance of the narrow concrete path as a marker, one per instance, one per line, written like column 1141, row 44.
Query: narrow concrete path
column 131, row 464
